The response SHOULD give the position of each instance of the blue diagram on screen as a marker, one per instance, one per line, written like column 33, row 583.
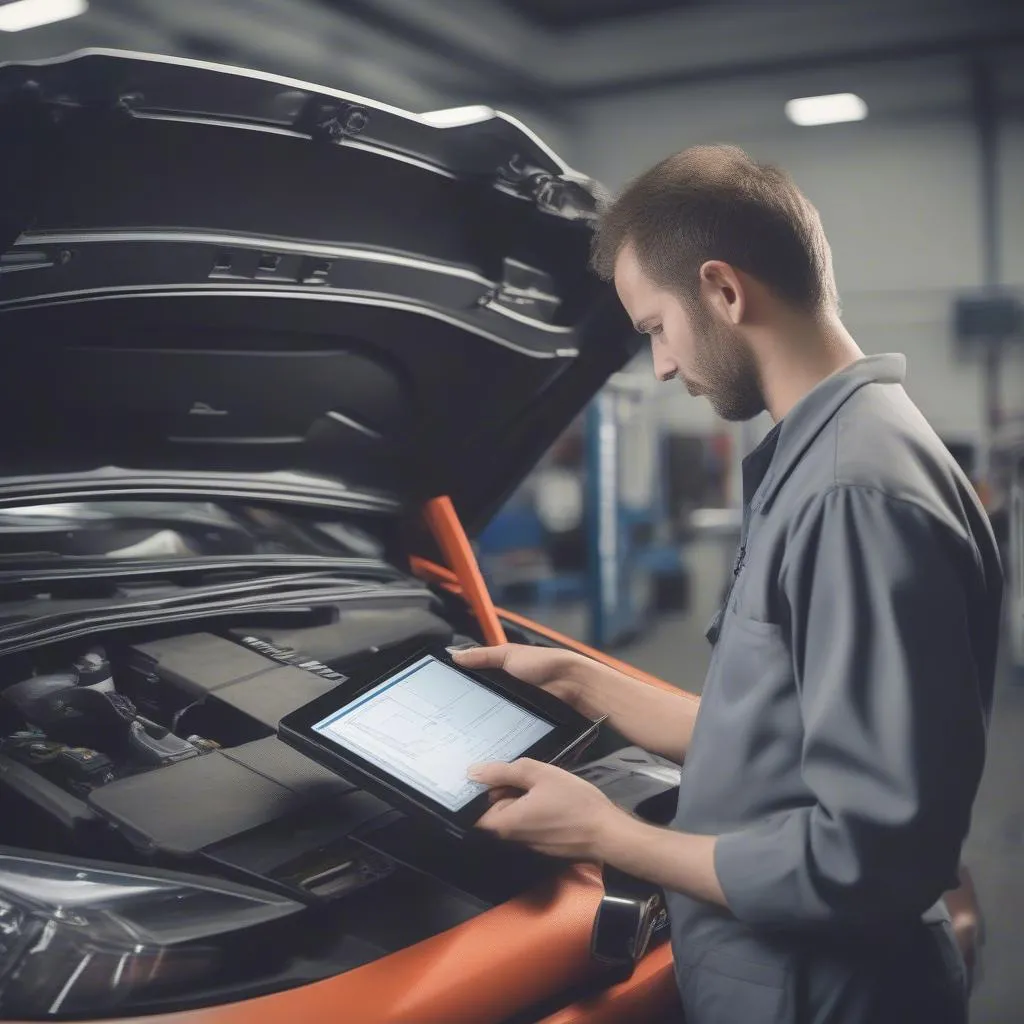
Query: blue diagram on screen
column 428, row 724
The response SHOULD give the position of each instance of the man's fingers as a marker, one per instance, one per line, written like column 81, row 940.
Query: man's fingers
column 496, row 819
column 503, row 793
column 482, row 657
column 521, row 774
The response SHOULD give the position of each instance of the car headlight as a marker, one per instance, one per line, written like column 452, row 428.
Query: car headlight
column 78, row 939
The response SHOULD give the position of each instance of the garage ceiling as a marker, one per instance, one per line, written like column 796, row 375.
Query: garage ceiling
column 532, row 55
column 569, row 14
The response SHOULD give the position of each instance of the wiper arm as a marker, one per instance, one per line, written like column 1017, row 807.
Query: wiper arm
column 71, row 625
column 80, row 568
column 270, row 586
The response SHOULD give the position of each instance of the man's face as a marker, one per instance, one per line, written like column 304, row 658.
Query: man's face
column 711, row 357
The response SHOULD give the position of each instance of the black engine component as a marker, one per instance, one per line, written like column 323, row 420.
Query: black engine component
column 84, row 769
column 158, row 746
column 219, row 688
column 166, row 678
column 51, row 818
column 631, row 912
column 27, row 695
column 93, row 670
column 81, row 717
column 81, row 733
column 78, row 770
column 361, row 632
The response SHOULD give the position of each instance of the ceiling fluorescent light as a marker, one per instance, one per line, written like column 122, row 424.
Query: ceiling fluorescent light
column 834, row 109
column 456, row 117
column 24, row 14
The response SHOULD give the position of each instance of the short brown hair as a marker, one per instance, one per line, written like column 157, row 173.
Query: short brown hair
column 716, row 203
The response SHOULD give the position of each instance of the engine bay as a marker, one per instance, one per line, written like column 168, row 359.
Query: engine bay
column 159, row 717
column 165, row 752
column 160, row 751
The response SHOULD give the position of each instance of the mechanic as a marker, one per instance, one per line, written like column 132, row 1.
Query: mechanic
column 829, row 777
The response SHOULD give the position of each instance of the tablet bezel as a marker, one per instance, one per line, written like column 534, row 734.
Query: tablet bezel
column 571, row 734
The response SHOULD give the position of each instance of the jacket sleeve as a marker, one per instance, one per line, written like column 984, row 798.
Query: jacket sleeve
column 879, row 604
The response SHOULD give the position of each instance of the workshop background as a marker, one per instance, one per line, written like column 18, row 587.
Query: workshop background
column 915, row 158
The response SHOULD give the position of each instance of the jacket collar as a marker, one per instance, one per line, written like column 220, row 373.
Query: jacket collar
column 814, row 412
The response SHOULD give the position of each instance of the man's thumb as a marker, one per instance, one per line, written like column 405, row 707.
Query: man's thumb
column 481, row 657
column 498, row 773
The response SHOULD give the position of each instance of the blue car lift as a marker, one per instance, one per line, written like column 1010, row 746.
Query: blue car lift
column 628, row 548
column 623, row 569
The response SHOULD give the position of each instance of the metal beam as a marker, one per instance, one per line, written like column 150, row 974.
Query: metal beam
column 822, row 60
column 986, row 122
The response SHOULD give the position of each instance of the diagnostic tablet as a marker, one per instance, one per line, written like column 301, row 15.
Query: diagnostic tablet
column 410, row 730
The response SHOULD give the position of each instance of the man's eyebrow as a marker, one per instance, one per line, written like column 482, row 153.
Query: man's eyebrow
column 644, row 326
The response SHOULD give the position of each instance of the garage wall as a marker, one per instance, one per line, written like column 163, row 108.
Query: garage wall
column 898, row 194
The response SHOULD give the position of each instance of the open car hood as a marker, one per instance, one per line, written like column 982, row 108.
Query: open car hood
column 223, row 282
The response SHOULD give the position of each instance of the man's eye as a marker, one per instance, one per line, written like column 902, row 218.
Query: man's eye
column 653, row 332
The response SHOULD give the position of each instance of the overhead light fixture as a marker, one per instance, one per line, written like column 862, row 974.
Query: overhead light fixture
column 20, row 15
column 834, row 109
column 454, row 117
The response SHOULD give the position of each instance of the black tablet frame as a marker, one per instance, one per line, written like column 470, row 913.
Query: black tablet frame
column 571, row 735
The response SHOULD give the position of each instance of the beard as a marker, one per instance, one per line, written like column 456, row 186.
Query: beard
column 727, row 371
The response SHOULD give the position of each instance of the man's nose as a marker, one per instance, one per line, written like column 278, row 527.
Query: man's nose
column 664, row 365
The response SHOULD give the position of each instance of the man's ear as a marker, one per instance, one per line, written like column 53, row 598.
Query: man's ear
column 722, row 289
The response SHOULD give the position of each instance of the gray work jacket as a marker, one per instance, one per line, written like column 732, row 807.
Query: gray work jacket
column 841, row 734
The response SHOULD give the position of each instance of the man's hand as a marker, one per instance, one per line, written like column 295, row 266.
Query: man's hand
column 561, row 815
column 545, row 808
column 968, row 924
column 656, row 719
column 564, row 674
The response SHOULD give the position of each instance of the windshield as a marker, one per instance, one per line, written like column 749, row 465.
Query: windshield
column 172, row 530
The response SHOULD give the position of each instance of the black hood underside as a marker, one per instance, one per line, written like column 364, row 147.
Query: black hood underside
column 209, row 274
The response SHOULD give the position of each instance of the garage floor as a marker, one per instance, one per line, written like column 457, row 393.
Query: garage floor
column 675, row 650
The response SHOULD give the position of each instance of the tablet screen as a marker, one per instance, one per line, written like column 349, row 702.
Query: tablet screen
column 428, row 724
